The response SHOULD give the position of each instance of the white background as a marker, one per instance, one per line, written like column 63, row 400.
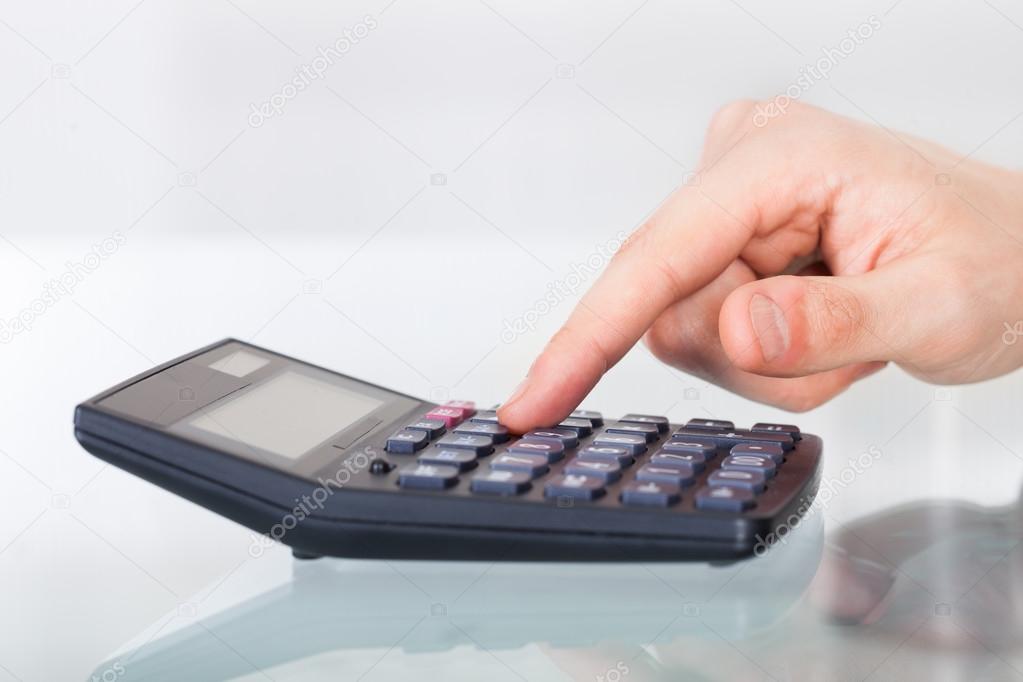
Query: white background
column 555, row 126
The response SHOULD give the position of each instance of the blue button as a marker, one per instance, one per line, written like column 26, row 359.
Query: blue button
column 678, row 476
column 566, row 437
column 759, row 463
column 484, row 417
column 552, row 450
column 649, row 431
column 688, row 447
column 495, row 431
column 606, row 470
column 500, row 482
column 789, row 429
column 574, row 487
column 724, row 498
column 481, row 445
column 728, row 439
column 534, row 465
column 736, row 478
column 406, row 442
column 433, row 427
column 650, row 494
column 636, row 445
column 595, row 418
column 660, row 422
column 427, row 476
column 710, row 424
column 775, row 452
column 606, row 453
column 689, row 460
column 461, row 459
column 582, row 427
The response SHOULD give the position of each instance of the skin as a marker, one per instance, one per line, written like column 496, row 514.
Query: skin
column 804, row 255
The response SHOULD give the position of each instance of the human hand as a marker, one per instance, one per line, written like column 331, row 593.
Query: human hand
column 903, row 252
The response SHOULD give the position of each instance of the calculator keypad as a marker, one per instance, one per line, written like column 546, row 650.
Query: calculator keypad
column 637, row 461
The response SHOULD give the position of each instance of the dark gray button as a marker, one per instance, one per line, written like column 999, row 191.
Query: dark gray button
column 650, row 494
column 750, row 480
column 763, row 449
column 688, row 447
column 636, row 445
column 764, row 465
column 660, row 422
column 789, row 429
column 432, row 427
column 689, row 460
column 534, row 465
column 595, row 418
column 724, row 498
column 606, row 470
column 500, row 482
column 710, row 424
column 575, row 487
column 461, row 459
column 495, row 431
column 484, row 417
column 552, row 450
column 728, row 439
column 582, row 427
column 678, row 476
column 481, row 445
column 566, row 437
column 606, row 453
column 427, row 476
column 649, row 431
column 406, row 442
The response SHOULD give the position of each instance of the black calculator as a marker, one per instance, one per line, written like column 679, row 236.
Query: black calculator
column 332, row 465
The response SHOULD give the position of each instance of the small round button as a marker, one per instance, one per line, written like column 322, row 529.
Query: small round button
column 380, row 467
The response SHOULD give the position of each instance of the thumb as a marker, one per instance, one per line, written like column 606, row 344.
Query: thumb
column 791, row 326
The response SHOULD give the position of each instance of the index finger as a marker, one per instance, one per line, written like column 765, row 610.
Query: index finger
column 689, row 241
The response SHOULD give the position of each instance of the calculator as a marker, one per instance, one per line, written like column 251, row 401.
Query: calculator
column 331, row 465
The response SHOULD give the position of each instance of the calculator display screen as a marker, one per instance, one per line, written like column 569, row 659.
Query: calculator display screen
column 287, row 415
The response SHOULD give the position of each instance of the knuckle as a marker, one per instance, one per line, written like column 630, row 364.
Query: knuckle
column 731, row 117
column 836, row 316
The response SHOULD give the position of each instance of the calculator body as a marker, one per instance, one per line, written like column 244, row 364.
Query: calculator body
column 308, row 457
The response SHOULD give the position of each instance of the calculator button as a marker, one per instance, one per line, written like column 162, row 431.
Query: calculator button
column 500, row 482
column 728, row 439
column 724, row 498
column 427, row 476
column 467, row 407
column 678, row 476
column 687, row 447
column 710, row 424
column 605, row 453
column 605, row 470
column 481, row 445
column 764, row 465
column 582, row 427
column 648, row 431
column 550, row 449
column 735, row 478
column 450, row 416
column 690, row 460
column 575, row 486
column 406, row 442
column 660, row 422
column 788, row 429
column 461, row 459
column 775, row 452
column 595, row 418
column 485, row 417
column 534, row 465
column 635, row 445
column 433, row 427
column 566, row 437
column 650, row 494
column 495, row 431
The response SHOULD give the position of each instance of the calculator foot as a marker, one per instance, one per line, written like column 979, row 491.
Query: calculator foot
column 302, row 554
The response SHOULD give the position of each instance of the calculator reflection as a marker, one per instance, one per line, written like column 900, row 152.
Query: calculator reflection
column 932, row 590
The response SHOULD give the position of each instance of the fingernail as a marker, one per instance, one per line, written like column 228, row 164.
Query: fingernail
column 517, row 393
column 769, row 325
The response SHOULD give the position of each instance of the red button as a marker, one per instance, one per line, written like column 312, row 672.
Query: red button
column 451, row 416
column 467, row 406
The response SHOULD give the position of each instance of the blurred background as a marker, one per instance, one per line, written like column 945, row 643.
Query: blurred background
column 413, row 194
